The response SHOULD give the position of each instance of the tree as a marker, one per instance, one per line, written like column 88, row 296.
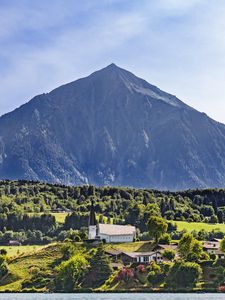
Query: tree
column 222, row 245
column 3, row 265
column 189, row 247
column 220, row 216
column 165, row 239
column 156, row 227
column 183, row 275
column 204, row 256
column 125, row 274
column 153, row 209
column 169, row 254
column 213, row 219
column 155, row 276
column 71, row 273
column 215, row 206
column 100, row 268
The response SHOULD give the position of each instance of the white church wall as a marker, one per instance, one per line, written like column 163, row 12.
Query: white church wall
column 116, row 238
column 92, row 232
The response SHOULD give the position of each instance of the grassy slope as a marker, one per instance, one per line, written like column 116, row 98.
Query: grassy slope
column 19, row 267
column 46, row 259
column 198, row 226
column 13, row 251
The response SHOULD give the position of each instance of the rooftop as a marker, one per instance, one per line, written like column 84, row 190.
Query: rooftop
column 170, row 246
column 113, row 252
column 211, row 245
column 109, row 229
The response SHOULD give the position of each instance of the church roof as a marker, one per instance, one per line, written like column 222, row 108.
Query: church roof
column 92, row 218
column 109, row 229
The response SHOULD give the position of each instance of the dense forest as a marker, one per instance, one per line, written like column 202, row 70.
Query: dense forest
column 26, row 207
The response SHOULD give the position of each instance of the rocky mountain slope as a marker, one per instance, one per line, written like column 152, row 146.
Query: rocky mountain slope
column 112, row 128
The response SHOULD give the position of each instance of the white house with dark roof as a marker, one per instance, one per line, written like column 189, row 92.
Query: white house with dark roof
column 142, row 257
column 210, row 246
column 108, row 232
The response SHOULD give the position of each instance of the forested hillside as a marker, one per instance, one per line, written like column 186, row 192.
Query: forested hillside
column 35, row 213
column 28, row 209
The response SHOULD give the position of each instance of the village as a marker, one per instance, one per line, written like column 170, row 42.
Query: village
column 115, row 235
column 99, row 250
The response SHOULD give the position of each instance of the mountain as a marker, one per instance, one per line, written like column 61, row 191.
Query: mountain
column 112, row 128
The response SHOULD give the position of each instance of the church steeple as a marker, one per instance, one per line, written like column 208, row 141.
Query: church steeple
column 92, row 218
column 92, row 223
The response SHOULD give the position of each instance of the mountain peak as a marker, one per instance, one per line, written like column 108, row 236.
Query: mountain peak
column 112, row 128
column 112, row 65
column 117, row 77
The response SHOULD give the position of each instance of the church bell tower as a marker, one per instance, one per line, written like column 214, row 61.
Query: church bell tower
column 92, row 223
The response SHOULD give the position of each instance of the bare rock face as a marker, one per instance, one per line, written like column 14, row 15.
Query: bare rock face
column 112, row 128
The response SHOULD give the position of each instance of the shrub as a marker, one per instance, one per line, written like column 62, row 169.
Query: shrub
column 221, row 289
column 141, row 268
column 165, row 239
column 100, row 268
column 125, row 274
column 212, row 256
column 155, row 278
column 183, row 275
column 169, row 254
column 71, row 273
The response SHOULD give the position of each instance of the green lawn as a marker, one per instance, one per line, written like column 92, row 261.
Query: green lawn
column 60, row 217
column 198, row 226
column 13, row 251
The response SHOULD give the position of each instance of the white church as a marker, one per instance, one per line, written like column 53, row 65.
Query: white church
column 109, row 233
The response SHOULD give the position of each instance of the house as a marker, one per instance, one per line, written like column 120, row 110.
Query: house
column 14, row 243
column 219, row 254
column 141, row 257
column 162, row 247
column 210, row 247
column 216, row 240
column 115, row 255
column 109, row 233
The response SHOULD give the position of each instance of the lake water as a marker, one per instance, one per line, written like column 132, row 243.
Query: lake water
column 112, row 296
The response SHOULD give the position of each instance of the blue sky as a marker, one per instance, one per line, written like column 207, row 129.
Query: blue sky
column 175, row 44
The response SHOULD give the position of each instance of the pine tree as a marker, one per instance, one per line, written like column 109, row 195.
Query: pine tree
column 100, row 268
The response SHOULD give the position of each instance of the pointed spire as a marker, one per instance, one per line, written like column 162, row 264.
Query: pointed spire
column 92, row 218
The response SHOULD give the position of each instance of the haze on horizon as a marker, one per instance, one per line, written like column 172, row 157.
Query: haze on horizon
column 173, row 44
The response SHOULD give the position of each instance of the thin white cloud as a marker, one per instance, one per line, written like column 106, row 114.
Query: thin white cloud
column 180, row 6
column 64, row 59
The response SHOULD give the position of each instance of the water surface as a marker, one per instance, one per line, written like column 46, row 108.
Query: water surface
column 112, row 296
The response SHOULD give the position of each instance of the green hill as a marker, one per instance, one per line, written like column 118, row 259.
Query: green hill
column 39, row 264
